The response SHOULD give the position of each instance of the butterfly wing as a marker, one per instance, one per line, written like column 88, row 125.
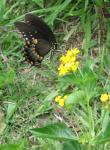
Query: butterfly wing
column 35, row 47
column 42, row 28
column 27, row 31
column 39, row 38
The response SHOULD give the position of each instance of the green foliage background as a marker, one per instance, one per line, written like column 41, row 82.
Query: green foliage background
column 24, row 90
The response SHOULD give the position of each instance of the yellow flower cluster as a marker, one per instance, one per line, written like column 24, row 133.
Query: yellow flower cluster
column 61, row 100
column 104, row 97
column 68, row 62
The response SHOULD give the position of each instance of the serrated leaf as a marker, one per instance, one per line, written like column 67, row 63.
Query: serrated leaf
column 54, row 131
column 73, row 145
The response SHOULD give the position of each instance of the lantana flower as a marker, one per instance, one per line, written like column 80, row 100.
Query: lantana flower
column 61, row 100
column 68, row 62
column 104, row 97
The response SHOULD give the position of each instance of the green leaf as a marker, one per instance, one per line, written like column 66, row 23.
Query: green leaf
column 99, row 3
column 50, row 97
column 54, row 131
column 105, row 135
column 6, row 77
column 105, row 120
column 46, row 105
column 86, row 4
column 11, row 109
column 2, row 9
column 50, row 19
column 73, row 145
column 86, row 22
column 70, row 33
column 19, row 146
column 75, row 97
column 40, row 3
column 2, row 123
column 65, row 81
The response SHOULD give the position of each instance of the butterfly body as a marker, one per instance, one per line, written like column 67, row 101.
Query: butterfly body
column 39, row 39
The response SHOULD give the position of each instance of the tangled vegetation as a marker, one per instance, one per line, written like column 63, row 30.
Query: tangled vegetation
column 65, row 103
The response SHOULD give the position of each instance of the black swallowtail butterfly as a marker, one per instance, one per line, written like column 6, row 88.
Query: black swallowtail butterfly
column 39, row 39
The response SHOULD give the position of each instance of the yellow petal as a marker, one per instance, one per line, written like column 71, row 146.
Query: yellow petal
column 57, row 98
column 61, row 102
column 104, row 97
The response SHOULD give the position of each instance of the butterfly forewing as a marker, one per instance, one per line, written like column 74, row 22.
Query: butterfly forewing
column 42, row 28
column 28, row 31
